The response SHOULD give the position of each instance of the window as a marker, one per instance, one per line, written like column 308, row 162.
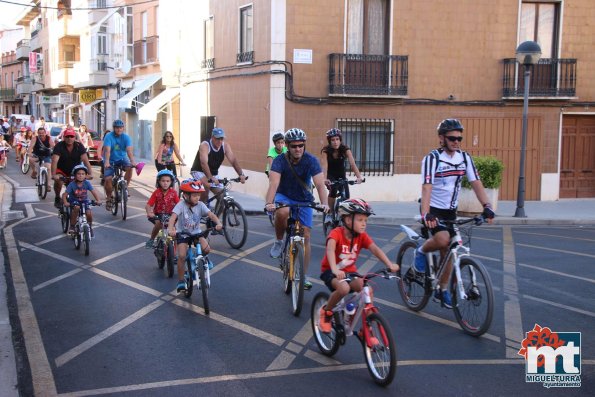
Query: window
column 367, row 27
column 102, row 40
column 209, row 54
column 143, row 34
column 539, row 23
column 69, row 52
column 371, row 142
column 246, row 50
column 101, row 4
column 129, row 36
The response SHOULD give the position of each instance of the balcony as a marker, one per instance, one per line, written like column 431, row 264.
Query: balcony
column 93, row 74
column 208, row 63
column 146, row 50
column 24, row 86
column 35, row 41
column 368, row 75
column 23, row 50
column 550, row 78
column 245, row 57
column 7, row 94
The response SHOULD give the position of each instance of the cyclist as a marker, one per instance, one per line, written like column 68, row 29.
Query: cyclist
column 40, row 149
column 162, row 201
column 336, row 153
column 4, row 146
column 289, row 183
column 23, row 143
column 66, row 155
column 117, row 149
column 442, row 172
column 77, row 192
column 275, row 150
column 189, row 212
column 208, row 159
column 164, row 157
column 343, row 246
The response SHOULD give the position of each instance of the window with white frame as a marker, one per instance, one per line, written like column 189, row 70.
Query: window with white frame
column 540, row 23
column 102, row 40
column 367, row 27
column 246, row 49
column 371, row 142
column 209, row 44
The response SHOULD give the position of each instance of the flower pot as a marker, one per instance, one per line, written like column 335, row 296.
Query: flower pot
column 470, row 205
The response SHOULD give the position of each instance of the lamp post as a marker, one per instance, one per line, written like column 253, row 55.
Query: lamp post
column 527, row 54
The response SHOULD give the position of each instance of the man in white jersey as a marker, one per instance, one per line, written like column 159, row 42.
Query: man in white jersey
column 442, row 173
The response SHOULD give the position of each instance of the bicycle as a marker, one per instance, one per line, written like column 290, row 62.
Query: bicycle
column 333, row 220
column 4, row 156
column 467, row 291
column 231, row 213
column 198, row 267
column 164, row 248
column 64, row 212
column 42, row 180
column 25, row 160
column 82, row 230
column 292, row 257
column 380, row 351
column 119, row 192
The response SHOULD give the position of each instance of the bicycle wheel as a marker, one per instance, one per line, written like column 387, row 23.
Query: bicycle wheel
column 200, row 264
column 170, row 258
column 86, row 239
column 189, row 280
column 272, row 218
column 115, row 201
column 326, row 224
column 285, row 269
column 475, row 313
column 43, row 181
column 160, row 253
column 77, row 237
column 297, row 279
column 327, row 343
column 235, row 225
column 380, row 350
column 413, row 287
column 64, row 218
column 124, row 198
column 25, row 164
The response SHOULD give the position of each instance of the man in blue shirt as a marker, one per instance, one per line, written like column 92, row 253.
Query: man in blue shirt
column 117, row 147
column 290, row 177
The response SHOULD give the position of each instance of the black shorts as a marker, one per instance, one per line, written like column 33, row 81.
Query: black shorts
column 442, row 214
column 336, row 190
column 327, row 276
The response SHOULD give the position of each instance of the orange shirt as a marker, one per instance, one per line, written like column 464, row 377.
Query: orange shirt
column 344, row 257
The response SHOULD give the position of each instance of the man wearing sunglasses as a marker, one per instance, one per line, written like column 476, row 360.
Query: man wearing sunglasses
column 442, row 171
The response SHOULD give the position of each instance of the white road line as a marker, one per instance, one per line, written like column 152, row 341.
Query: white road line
column 556, row 304
column 589, row 280
column 50, row 254
column 282, row 361
column 321, row 359
column 117, row 254
column 220, row 266
column 103, row 335
column 556, row 236
column 56, row 279
column 557, row 250
column 513, row 324
column 126, row 282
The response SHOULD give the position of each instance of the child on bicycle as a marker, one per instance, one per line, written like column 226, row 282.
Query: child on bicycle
column 162, row 201
column 275, row 150
column 185, row 219
column 343, row 246
column 76, row 193
column 4, row 146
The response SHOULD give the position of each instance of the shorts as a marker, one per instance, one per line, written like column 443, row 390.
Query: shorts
column 335, row 190
column 43, row 159
column 447, row 215
column 305, row 214
column 327, row 276
column 201, row 175
column 107, row 172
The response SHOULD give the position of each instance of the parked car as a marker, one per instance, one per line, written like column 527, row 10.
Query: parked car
column 94, row 157
column 55, row 130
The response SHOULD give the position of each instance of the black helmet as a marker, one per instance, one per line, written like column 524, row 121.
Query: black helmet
column 278, row 136
column 447, row 125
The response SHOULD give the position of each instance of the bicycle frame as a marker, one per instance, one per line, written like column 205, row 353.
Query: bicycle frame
column 195, row 254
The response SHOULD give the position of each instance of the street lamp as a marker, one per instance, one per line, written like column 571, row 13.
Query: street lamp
column 527, row 54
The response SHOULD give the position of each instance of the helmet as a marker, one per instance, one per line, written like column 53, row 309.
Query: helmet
column 277, row 136
column 447, row 125
column 333, row 132
column 77, row 168
column 118, row 123
column 295, row 134
column 355, row 206
column 163, row 173
column 192, row 186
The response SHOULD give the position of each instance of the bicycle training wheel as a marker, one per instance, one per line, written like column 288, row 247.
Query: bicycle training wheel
column 235, row 225
column 189, row 278
column 43, row 179
column 115, row 201
column 380, row 350
column 64, row 218
column 170, row 258
column 285, row 265
column 124, row 199
column 25, row 164
column 413, row 287
column 475, row 313
column 327, row 343
column 86, row 239
column 160, row 253
column 200, row 265
column 297, row 279
column 77, row 237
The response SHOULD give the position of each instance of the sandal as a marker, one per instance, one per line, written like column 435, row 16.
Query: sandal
column 108, row 205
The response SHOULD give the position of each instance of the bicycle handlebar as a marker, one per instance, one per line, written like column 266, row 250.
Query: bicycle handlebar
column 384, row 273
column 314, row 206
column 477, row 219
column 342, row 181
column 160, row 217
column 195, row 237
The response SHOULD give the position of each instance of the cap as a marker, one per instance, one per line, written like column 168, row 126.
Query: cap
column 69, row 132
column 23, row 128
column 218, row 133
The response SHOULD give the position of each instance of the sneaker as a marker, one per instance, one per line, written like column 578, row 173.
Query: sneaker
column 420, row 262
column 91, row 231
column 277, row 249
column 149, row 244
column 181, row 286
column 444, row 297
column 57, row 202
column 325, row 320
column 307, row 284
column 71, row 231
column 108, row 205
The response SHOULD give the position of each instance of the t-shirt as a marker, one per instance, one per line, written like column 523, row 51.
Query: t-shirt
column 189, row 217
column 117, row 145
column 68, row 159
column 344, row 257
column 163, row 203
column 273, row 154
column 306, row 168
column 78, row 193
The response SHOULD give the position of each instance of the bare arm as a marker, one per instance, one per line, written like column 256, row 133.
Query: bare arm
column 234, row 162
column 353, row 166
column 172, row 224
column 32, row 145
column 331, row 246
column 378, row 253
column 108, row 153
column 130, row 154
column 274, row 179
column 177, row 152
column 318, row 180
column 54, row 165
column 203, row 152
column 215, row 219
column 480, row 192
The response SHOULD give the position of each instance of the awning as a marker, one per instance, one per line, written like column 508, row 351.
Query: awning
column 152, row 108
column 72, row 105
column 139, row 88
column 87, row 106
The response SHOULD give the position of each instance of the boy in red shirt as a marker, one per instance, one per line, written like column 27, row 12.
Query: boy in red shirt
column 343, row 246
column 162, row 201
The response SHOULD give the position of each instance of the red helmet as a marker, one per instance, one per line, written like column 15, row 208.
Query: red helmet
column 355, row 206
column 192, row 186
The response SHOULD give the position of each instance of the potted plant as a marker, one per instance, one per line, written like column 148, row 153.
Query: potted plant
column 490, row 171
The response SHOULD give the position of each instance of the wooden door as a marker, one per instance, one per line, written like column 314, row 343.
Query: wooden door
column 577, row 163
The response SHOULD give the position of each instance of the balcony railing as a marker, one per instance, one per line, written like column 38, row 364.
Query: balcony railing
column 551, row 77
column 208, row 63
column 369, row 75
column 7, row 94
column 245, row 57
column 146, row 50
column 66, row 64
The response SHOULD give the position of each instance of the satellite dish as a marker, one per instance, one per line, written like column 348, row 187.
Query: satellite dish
column 125, row 66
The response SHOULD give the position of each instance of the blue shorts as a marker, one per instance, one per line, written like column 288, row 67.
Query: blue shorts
column 305, row 214
column 44, row 159
column 107, row 172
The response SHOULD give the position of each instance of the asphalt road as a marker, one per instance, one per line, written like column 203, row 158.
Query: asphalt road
column 112, row 324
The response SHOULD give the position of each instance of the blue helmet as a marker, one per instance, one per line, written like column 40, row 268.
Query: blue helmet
column 118, row 123
column 78, row 168
column 163, row 173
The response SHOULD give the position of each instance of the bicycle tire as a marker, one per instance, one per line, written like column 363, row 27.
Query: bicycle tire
column 326, row 227
column 235, row 225
column 470, row 314
column 64, row 218
column 124, row 199
column 272, row 218
column 44, row 183
column 171, row 257
column 200, row 265
column 297, row 279
column 414, row 287
column 86, row 239
column 285, row 268
column 77, row 237
column 189, row 280
column 115, row 201
column 25, row 164
column 160, row 253
column 328, row 344
column 381, row 358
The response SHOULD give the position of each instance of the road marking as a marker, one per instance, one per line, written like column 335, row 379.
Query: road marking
column 556, row 304
column 127, row 282
column 50, row 254
column 103, row 335
column 556, row 236
column 235, row 256
column 56, row 279
column 556, row 250
column 513, row 324
column 589, row 280
column 282, row 361
column 117, row 254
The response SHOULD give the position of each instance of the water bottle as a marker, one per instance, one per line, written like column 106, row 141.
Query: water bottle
column 349, row 311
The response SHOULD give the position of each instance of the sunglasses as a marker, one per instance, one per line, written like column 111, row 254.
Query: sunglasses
column 297, row 146
column 454, row 138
